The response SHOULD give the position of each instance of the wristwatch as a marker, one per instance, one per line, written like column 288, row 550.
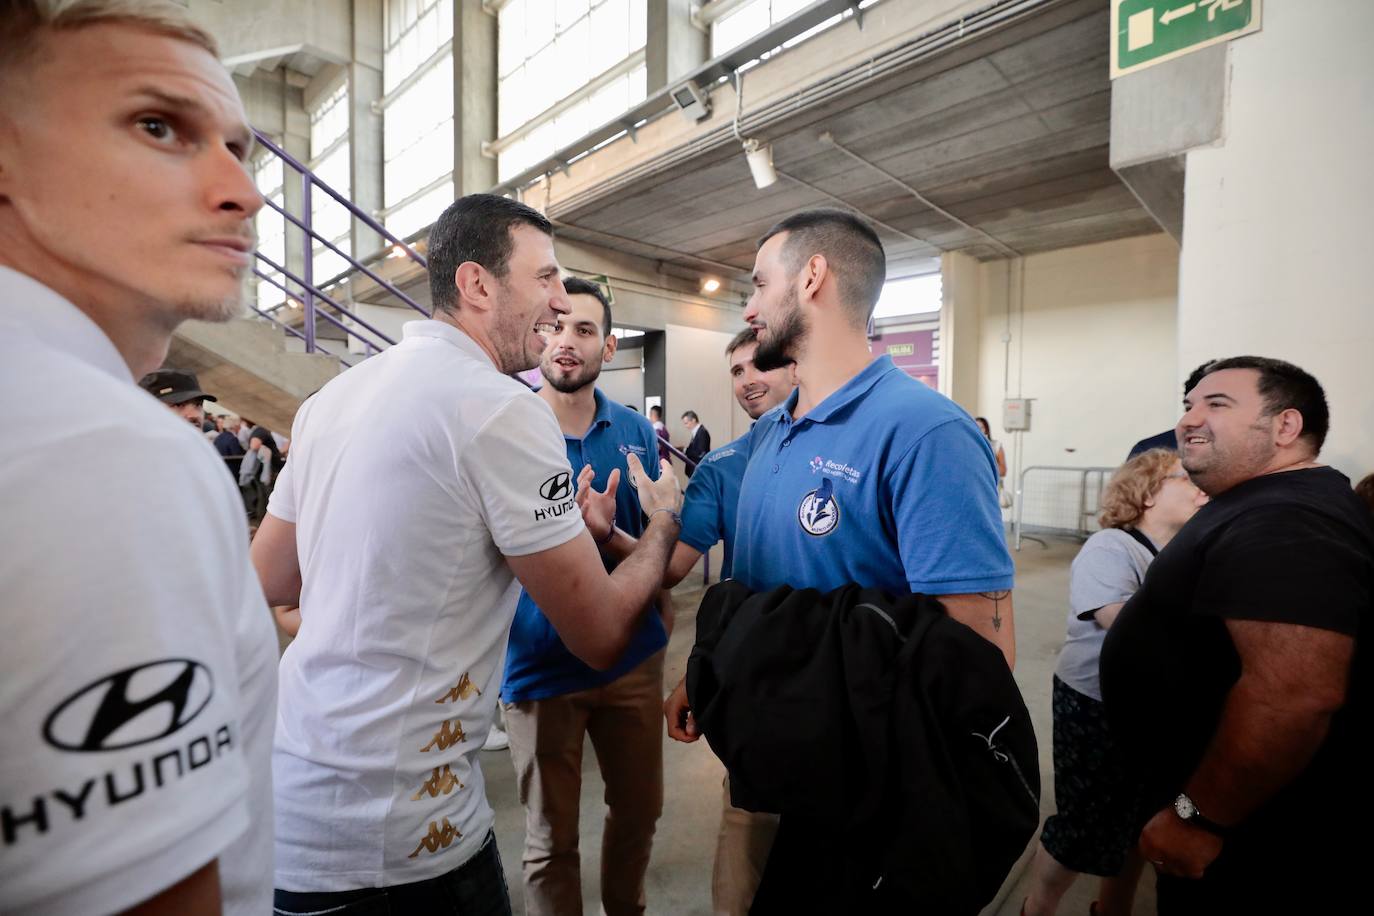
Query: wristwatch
column 1188, row 812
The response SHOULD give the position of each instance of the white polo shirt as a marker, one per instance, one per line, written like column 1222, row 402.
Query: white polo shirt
column 138, row 655
column 412, row 476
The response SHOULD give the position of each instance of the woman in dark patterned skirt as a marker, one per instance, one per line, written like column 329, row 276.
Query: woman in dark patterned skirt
column 1094, row 832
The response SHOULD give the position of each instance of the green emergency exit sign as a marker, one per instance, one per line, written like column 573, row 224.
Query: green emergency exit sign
column 1146, row 32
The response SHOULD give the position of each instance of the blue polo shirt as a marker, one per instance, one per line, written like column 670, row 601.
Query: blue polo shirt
column 538, row 665
column 886, row 483
column 708, row 506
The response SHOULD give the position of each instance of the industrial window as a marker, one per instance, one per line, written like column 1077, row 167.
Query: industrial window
column 269, row 176
column 565, row 67
column 330, row 160
column 417, row 120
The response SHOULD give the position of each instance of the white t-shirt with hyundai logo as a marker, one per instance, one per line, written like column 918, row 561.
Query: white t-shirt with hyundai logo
column 138, row 655
column 412, row 476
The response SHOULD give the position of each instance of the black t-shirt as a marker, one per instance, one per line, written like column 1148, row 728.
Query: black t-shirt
column 1294, row 547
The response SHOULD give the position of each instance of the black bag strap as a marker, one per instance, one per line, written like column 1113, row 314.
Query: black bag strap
column 1143, row 541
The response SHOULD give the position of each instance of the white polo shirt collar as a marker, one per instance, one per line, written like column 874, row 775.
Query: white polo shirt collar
column 43, row 313
column 444, row 331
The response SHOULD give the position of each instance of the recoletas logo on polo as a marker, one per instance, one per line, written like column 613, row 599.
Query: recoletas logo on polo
column 131, row 707
column 557, row 487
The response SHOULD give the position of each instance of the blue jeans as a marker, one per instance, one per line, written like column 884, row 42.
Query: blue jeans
column 475, row 888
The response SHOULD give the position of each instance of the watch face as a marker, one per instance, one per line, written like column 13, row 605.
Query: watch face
column 1184, row 807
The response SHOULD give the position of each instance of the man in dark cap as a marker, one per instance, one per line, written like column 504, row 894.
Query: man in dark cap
column 179, row 391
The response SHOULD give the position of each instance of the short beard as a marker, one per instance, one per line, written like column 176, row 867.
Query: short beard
column 570, row 383
column 784, row 338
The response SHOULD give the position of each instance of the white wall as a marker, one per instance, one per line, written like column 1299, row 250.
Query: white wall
column 1276, row 253
column 698, row 378
column 1093, row 340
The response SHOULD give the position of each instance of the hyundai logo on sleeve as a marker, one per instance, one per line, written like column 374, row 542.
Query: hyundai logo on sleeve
column 131, row 707
column 557, row 487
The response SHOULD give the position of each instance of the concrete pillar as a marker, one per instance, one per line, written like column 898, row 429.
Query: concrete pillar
column 474, row 96
column 1276, row 220
column 960, row 328
column 1160, row 113
column 365, row 124
column 674, row 46
column 295, row 139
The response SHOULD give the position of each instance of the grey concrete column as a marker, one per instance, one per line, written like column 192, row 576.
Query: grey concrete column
column 295, row 139
column 474, row 96
column 365, row 124
column 673, row 45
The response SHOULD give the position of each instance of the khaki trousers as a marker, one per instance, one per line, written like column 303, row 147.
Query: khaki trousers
column 625, row 722
column 741, row 853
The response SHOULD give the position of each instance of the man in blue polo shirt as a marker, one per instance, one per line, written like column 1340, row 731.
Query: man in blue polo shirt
column 708, row 507
column 864, row 475
column 552, row 699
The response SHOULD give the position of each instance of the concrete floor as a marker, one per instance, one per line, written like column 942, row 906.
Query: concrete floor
column 679, row 880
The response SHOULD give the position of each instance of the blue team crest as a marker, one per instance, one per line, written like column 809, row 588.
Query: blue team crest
column 818, row 513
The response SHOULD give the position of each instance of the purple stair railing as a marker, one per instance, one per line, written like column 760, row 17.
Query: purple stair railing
column 315, row 302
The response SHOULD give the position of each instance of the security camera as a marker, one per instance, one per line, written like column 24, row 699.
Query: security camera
column 690, row 100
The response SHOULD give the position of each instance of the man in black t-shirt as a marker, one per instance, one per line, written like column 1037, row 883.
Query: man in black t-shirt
column 1236, row 678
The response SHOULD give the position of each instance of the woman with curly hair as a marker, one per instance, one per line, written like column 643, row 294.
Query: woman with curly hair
column 1094, row 832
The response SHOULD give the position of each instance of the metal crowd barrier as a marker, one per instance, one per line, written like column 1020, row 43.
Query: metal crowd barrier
column 1058, row 500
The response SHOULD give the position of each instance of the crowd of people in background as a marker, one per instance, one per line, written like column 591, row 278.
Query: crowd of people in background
column 252, row 454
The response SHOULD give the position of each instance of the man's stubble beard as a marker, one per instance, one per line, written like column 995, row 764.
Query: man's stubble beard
column 784, row 339
column 1226, row 468
column 569, row 384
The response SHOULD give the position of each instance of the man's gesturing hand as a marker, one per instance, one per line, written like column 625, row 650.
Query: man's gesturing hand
column 664, row 493
column 598, row 508
column 681, row 726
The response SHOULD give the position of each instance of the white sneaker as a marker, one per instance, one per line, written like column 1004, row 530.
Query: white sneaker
column 497, row 740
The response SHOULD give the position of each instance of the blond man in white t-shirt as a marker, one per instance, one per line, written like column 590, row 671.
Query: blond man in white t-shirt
column 138, row 689
column 425, row 486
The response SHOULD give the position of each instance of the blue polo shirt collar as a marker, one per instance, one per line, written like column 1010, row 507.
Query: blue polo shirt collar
column 842, row 397
column 602, row 417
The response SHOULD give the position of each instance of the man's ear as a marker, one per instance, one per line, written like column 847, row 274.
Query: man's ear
column 608, row 351
column 813, row 276
column 1287, row 427
column 474, row 285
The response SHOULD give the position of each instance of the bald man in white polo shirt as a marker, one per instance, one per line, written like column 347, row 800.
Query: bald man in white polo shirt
column 423, row 483
column 138, row 657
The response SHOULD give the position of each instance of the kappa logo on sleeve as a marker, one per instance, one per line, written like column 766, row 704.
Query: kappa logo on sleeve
column 557, row 487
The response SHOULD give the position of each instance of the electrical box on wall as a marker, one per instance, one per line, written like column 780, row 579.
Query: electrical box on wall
column 1016, row 414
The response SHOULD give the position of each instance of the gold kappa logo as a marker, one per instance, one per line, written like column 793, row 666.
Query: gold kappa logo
column 438, row 838
column 440, row 782
column 464, row 689
column 450, row 734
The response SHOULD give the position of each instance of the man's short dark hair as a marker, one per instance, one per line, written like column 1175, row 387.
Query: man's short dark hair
column 1286, row 387
column 691, row 415
column 849, row 245
column 576, row 286
column 747, row 336
column 477, row 228
column 655, row 410
column 1196, row 376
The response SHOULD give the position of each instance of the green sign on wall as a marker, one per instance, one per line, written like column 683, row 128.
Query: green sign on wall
column 1146, row 32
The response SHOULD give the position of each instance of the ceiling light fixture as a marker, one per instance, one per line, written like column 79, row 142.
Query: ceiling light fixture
column 710, row 285
column 758, row 153
column 760, row 157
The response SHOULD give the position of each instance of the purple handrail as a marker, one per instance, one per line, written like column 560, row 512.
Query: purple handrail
column 386, row 284
column 321, row 294
column 310, row 181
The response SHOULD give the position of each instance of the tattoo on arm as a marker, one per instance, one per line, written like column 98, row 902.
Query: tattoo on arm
column 996, row 598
